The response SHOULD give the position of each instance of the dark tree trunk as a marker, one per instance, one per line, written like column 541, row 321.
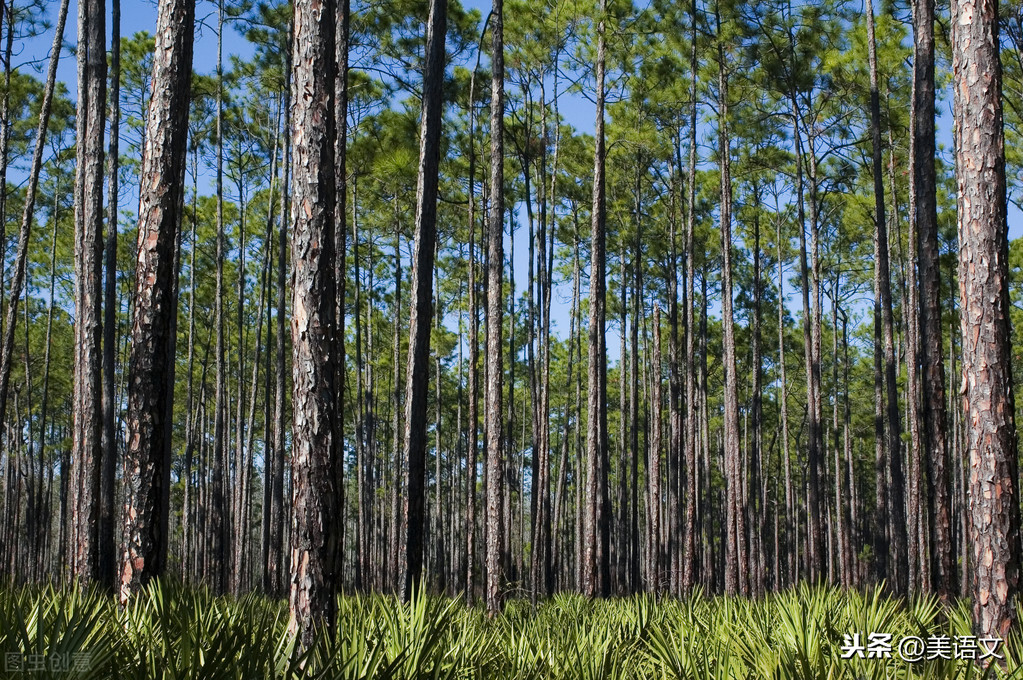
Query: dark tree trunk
column 756, row 498
column 5, row 136
column 988, row 401
column 340, row 236
column 923, row 205
column 895, row 508
column 418, row 368
column 107, row 549
column 396, row 414
column 151, row 364
column 220, row 517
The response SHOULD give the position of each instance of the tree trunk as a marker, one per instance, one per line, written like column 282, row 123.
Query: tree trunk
column 151, row 364
column 44, row 406
column 895, row 509
column 21, row 259
column 737, row 566
column 988, row 400
column 790, row 515
column 396, row 414
column 474, row 372
column 107, row 549
column 5, row 136
column 692, row 416
column 495, row 276
column 341, row 49
column 654, row 549
column 923, row 205
column 87, row 453
column 220, row 517
column 418, row 371
column 274, row 582
column 596, row 535
column 756, row 498
column 316, row 441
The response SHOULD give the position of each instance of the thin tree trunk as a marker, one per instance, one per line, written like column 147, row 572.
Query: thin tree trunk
column 396, row 429
column 923, row 206
column 692, row 417
column 495, row 519
column 654, row 549
column 418, row 367
column 632, row 525
column 44, row 406
column 895, row 506
column 790, row 515
column 5, row 134
column 757, row 505
column 239, row 520
column 596, row 553
column 220, row 517
column 107, row 549
column 474, row 373
column 438, row 495
column 341, row 96
column 737, row 566
column 275, row 564
column 21, row 259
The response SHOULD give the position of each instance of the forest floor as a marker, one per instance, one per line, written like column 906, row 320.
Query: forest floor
column 171, row 631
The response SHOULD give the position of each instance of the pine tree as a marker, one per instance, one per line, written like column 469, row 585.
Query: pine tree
column 147, row 459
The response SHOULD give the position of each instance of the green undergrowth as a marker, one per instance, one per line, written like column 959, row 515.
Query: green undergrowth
column 172, row 631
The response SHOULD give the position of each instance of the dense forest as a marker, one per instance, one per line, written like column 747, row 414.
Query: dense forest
column 503, row 301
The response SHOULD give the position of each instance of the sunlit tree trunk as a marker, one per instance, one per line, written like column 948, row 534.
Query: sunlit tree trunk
column 988, row 400
column 596, row 548
column 495, row 274
column 86, row 451
column 151, row 365
column 316, row 448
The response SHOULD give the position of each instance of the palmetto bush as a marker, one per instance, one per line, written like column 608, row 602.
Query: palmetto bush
column 171, row 632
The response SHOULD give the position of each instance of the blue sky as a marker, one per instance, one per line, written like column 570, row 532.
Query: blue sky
column 140, row 15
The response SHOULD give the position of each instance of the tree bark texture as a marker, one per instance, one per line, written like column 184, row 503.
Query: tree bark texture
column 495, row 519
column 151, row 365
column 988, row 401
column 316, row 446
column 86, row 449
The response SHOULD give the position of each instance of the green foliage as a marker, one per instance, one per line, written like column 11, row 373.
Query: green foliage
column 170, row 631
